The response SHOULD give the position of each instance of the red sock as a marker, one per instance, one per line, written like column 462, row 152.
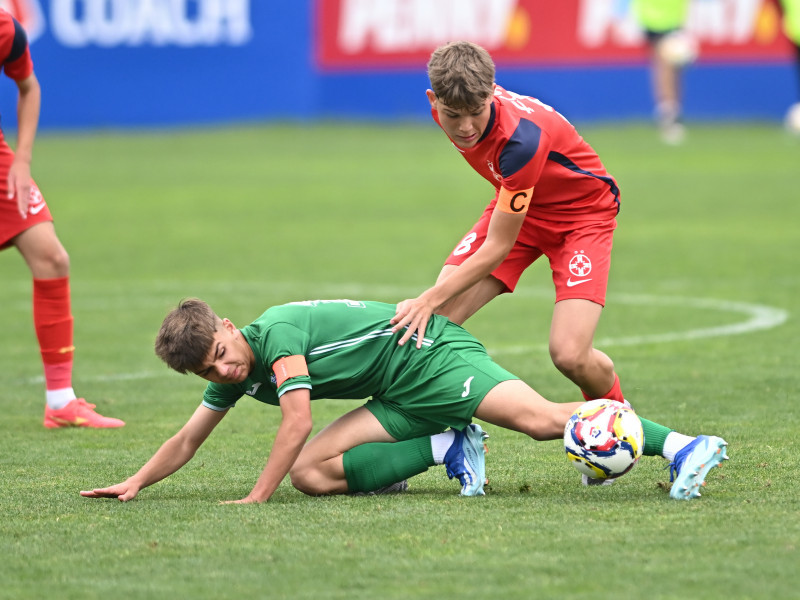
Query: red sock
column 52, row 320
column 615, row 393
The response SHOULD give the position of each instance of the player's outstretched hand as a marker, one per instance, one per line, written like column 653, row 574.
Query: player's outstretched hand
column 413, row 314
column 122, row 491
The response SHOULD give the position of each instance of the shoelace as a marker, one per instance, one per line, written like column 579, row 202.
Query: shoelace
column 673, row 470
column 680, row 458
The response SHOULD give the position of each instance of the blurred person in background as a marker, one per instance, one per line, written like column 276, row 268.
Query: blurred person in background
column 791, row 23
column 26, row 223
column 671, row 49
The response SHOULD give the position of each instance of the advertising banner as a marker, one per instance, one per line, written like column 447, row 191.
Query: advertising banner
column 386, row 34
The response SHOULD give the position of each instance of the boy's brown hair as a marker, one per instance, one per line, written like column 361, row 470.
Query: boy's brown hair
column 462, row 75
column 187, row 335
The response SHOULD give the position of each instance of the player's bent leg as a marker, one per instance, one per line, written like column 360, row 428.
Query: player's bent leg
column 319, row 469
column 514, row 405
column 319, row 479
column 377, row 467
column 571, row 338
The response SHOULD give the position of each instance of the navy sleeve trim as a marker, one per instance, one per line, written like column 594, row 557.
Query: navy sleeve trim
column 567, row 163
column 19, row 44
column 520, row 148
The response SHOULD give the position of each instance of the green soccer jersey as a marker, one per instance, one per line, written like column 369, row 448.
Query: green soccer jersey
column 348, row 346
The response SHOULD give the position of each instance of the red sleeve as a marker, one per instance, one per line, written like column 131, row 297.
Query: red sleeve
column 15, row 55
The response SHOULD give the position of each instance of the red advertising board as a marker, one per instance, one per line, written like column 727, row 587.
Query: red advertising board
column 365, row 34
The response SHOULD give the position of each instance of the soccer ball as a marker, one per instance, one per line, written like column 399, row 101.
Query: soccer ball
column 603, row 439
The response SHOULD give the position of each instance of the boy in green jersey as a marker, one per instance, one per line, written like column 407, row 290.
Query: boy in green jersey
column 419, row 415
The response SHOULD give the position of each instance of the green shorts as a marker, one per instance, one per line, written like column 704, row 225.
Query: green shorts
column 438, row 387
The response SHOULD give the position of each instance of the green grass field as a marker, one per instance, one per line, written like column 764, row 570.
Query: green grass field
column 701, row 322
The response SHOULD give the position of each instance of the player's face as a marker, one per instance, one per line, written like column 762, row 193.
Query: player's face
column 464, row 126
column 230, row 358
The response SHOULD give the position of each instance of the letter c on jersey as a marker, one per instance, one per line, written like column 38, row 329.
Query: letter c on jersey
column 513, row 204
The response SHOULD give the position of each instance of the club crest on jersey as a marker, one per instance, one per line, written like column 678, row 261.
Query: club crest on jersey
column 580, row 265
column 497, row 175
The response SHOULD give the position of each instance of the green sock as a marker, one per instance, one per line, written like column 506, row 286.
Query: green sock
column 369, row 467
column 654, row 437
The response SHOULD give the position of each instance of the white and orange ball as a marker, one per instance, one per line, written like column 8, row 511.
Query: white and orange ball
column 603, row 439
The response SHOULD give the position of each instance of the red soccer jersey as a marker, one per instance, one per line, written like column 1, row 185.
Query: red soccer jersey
column 527, row 145
column 15, row 57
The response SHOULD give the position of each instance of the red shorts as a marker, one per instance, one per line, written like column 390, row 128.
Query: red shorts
column 579, row 253
column 11, row 223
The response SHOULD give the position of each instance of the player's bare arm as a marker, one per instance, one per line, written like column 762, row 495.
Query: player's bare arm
column 292, row 434
column 415, row 313
column 171, row 456
column 19, row 175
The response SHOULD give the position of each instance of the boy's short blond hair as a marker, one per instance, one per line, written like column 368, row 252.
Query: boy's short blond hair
column 187, row 335
column 462, row 75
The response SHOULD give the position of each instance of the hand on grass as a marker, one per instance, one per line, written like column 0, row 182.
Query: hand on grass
column 122, row 491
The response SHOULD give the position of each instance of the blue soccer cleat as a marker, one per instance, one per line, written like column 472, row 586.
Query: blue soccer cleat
column 466, row 460
column 692, row 463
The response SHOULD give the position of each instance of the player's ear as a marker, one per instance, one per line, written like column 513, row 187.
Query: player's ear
column 431, row 97
column 228, row 324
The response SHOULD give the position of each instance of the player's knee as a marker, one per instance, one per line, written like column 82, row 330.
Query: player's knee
column 60, row 262
column 300, row 480
column 569, row 358
column 309, row 480
column 54, row 262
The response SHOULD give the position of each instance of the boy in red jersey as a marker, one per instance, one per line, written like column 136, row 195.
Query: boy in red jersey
column 26, row 222
column 553, row 197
